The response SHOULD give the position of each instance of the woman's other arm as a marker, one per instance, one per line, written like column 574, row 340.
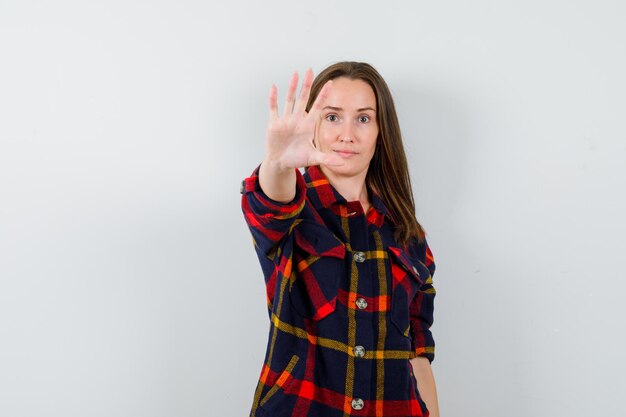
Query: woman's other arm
column 421, row 314
column 426, row 384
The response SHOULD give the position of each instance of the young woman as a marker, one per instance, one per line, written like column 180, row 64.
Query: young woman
column 347, row 268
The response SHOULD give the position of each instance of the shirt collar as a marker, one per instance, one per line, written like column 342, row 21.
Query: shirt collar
column 323, row 195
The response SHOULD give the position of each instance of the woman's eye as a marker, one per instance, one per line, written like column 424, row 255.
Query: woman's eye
column 331, row 117
column 364, row 119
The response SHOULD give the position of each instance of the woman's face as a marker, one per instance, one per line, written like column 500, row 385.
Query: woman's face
column 348, row 126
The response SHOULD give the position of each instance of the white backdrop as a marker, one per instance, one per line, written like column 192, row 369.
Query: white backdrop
column 128, row 281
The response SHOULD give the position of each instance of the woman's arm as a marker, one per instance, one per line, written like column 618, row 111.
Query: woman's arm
column 426, row 384
column 278, row 184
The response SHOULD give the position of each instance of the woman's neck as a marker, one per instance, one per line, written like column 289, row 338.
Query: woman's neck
column 352, row 188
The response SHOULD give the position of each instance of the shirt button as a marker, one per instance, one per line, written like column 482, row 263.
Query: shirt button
column 357, row 404
column 361, row 303
column 359, row 257
column 359, row 351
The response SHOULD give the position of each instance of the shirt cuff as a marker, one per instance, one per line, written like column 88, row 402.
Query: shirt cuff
column 265, row 206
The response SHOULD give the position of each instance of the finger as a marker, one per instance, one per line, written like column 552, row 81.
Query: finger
column 318, row 104
column 323, row 158
column 273, row 102
column 291, row 94
column 332, row 160
column 305, row 91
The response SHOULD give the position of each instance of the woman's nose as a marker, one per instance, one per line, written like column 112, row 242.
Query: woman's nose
column 347, row 133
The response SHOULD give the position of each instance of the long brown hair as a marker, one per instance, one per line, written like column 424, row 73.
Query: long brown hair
column 388, row 172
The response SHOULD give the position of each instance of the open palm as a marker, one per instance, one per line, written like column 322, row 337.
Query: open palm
column 289, row 137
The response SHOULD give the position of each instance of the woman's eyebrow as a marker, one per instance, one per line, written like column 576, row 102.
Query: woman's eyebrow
column 340, row 109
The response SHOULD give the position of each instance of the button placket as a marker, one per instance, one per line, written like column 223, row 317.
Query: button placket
column 359, row 257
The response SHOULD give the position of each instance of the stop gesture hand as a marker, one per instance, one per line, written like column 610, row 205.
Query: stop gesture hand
column 289, row 137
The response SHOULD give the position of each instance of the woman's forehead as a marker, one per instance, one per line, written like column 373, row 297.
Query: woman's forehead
column 350, row 94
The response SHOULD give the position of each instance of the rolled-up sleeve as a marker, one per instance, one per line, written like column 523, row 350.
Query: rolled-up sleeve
column 421, row 308
column 269, row 221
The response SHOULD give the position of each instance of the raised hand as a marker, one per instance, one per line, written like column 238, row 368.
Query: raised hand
column 289, row 140
column 289, row 137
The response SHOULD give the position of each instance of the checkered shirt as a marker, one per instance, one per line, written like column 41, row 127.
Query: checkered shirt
column 348, row 307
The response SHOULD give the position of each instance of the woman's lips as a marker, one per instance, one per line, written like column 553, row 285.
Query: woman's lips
column 346, row 154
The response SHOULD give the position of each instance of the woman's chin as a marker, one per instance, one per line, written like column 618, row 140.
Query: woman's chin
column 346, row 170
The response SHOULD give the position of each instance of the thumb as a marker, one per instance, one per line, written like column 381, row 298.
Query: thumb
column 323, row 158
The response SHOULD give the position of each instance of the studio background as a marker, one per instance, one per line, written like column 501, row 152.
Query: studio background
column 128, row 281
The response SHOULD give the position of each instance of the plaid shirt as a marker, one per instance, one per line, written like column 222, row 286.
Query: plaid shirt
column 348, row 307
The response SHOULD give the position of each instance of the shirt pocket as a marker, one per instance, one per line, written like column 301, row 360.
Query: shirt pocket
column 318, row 266
column 279, row 390
column 406, row 280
